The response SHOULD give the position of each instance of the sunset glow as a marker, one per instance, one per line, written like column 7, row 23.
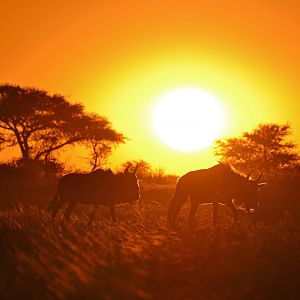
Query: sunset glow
column 188, row 119
column 118, row 58
column 150, row 149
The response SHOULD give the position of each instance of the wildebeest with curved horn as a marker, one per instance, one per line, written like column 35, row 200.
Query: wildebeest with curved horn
column 218, row 184
column 96, row 188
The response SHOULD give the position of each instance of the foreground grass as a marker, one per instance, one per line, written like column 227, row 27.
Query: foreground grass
column 139, row 258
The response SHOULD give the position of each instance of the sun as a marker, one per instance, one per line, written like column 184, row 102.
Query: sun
column 188, row 119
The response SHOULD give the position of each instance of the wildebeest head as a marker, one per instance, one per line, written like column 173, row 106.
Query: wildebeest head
column 247, row 192
column 130, row 185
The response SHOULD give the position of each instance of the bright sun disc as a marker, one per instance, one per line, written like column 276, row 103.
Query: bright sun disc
column 188, row 119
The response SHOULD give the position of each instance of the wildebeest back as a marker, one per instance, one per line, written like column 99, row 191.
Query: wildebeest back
column 85, row 188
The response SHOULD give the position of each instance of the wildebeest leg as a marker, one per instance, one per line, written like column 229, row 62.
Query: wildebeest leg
column 113, row 213
column 93, row 214
column 69, row 210
column 57, row 205
column 53, row 202
column 174, row 207
column 233, row 209
column 215, row 212
column 192, row 213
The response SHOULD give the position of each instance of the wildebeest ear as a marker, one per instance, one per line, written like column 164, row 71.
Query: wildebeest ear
column 127, row 169
column 136, row 167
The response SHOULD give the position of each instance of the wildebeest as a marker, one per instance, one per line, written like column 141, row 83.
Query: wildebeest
column 218, row 184
column 280, row 199
column 98, row 187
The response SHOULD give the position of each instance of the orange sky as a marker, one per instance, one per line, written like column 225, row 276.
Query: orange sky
column 118, row 56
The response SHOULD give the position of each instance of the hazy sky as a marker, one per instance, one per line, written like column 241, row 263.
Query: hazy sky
column 117, row 57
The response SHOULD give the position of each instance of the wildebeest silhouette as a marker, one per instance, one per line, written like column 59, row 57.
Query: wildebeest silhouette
column 98, row 187
column 218, row 184
column 280, row 199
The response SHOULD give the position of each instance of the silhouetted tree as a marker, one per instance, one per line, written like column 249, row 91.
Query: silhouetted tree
column 146, row 172
column 144, row 168
column 159, row 172
column 39, row 123
column 99, row 152
column 265, row 149
column 2, row 141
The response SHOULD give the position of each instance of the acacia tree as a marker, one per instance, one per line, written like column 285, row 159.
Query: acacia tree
column 40, row 124
column 99, row 152
column 265, row 149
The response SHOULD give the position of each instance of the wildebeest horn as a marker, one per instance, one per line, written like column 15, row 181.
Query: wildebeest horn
column 136, row 167
column 248, row 176
column 127, row 169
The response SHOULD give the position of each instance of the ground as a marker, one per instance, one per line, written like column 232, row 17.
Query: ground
column 138, row 257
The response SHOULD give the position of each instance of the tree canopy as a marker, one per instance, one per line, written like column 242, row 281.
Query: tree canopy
column 144, row 168
column 265, row 149
column 40, row 124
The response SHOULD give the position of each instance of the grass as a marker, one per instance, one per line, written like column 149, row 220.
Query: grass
column 138, row 257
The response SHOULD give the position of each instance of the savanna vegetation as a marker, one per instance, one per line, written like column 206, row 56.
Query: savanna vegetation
column 139, row 257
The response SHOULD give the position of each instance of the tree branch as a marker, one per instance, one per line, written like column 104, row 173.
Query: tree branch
column 51, row 149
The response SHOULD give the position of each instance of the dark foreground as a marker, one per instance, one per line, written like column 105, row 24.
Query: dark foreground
column 139, row 258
